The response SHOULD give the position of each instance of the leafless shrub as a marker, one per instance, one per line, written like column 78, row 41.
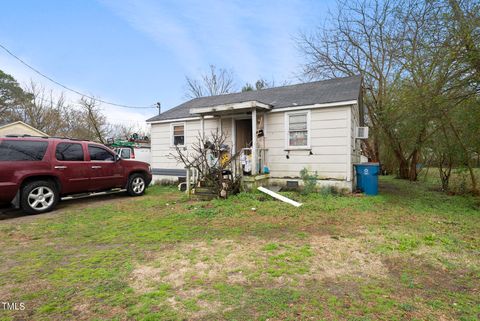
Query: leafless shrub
column 212, row 159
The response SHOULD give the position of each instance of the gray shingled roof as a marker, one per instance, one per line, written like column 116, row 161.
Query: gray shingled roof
column 318, row 92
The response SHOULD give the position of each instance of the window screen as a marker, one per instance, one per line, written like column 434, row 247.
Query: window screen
column 22, row 150
column 71, row 152
column 297, row 130
column 179, row 135
column 99, row 154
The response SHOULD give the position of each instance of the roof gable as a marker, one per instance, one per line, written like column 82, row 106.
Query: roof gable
column 22, row 124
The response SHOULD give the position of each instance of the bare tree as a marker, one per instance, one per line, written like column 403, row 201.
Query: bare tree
column 210, row 157
column 94, row 119
column 362, row 40
column 215, row 82
column 51, row 113
column 126, row 131
column 44, row 111
column 122, row 131
column 398, row 48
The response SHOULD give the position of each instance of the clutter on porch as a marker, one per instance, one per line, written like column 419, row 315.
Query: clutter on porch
column 213, row 169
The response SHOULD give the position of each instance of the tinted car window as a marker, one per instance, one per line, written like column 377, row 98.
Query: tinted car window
column 99, row 154
column 125, row 153
column 22, row 150
column 69, row 152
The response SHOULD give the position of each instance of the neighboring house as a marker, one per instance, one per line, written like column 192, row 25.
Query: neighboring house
column 20, row 128
column 310, row 125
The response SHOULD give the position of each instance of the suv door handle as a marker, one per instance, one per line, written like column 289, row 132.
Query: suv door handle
column 96, row 167
column 60, row 167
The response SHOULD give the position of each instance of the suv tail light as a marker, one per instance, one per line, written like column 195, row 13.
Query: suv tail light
column 133, row 154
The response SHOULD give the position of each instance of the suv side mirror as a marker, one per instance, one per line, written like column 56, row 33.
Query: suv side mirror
column 117, row 158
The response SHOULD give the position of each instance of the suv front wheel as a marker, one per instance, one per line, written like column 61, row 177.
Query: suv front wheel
column 136, row 185
column 39, row 197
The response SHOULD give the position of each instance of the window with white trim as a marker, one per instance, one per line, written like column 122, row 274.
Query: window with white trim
column 178, row 134
column 297, row 129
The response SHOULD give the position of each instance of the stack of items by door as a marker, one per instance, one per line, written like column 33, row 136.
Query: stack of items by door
column 246, row 160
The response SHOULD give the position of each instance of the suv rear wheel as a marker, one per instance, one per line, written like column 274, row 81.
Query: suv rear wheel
column 136, row 185
column 39, row 197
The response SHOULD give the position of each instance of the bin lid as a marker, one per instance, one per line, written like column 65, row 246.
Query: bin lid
column 370, row 164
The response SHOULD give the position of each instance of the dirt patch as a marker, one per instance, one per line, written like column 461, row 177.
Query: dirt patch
column 237, row 278
column 197, row 263
column 230, row 261
column 192, row 270
column 86, row 310
column 460, row 258
column 343, row 289
column 144, row 277
column 344, row 256
column 435, row 278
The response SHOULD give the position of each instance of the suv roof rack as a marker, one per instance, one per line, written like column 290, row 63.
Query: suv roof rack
column 47, row 137
column 25, row 135
column 63, row 137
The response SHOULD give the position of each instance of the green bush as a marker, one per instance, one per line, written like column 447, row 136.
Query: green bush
column 309, row 181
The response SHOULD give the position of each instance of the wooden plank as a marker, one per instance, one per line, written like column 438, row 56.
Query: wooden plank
column 278, row 196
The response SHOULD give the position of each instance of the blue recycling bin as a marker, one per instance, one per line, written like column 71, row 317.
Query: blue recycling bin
column 367, row 177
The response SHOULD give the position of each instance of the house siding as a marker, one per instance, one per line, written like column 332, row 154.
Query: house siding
column 332, row 142
column 356, row 146
column 227, row 130
column 355, row 143
column 328, row 136
column 161, row 142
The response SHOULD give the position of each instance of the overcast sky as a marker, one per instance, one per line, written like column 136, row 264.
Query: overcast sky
column 138, row 52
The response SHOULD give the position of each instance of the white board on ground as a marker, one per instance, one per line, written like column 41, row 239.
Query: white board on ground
column 278, row 196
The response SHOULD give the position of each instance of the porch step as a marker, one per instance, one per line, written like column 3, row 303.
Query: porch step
column 204, row 193
column 252, row 182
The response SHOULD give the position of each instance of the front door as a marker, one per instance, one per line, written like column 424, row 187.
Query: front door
column 105, row 172
column 243, row 133
column 71, row 167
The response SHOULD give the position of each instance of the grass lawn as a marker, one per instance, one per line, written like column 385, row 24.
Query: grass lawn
column 409, row 253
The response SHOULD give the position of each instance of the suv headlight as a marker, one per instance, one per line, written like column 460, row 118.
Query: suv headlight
column 150, row 169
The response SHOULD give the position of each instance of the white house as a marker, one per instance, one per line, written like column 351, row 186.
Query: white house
column 310, row 125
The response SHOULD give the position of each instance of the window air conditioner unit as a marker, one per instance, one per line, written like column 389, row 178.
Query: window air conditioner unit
column 362, row 133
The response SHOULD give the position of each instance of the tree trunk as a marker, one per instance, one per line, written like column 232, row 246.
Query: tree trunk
column 376, row 150
column 371, row 149
column 403, row 169
column 412, row 175
column 403, row 165
column 473, row 179
column 468, row 155
column 445, row 173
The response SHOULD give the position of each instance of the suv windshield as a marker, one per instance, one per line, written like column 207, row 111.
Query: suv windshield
column 22, row 150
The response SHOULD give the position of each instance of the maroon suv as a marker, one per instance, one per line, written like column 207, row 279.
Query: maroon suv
column 35, row 172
